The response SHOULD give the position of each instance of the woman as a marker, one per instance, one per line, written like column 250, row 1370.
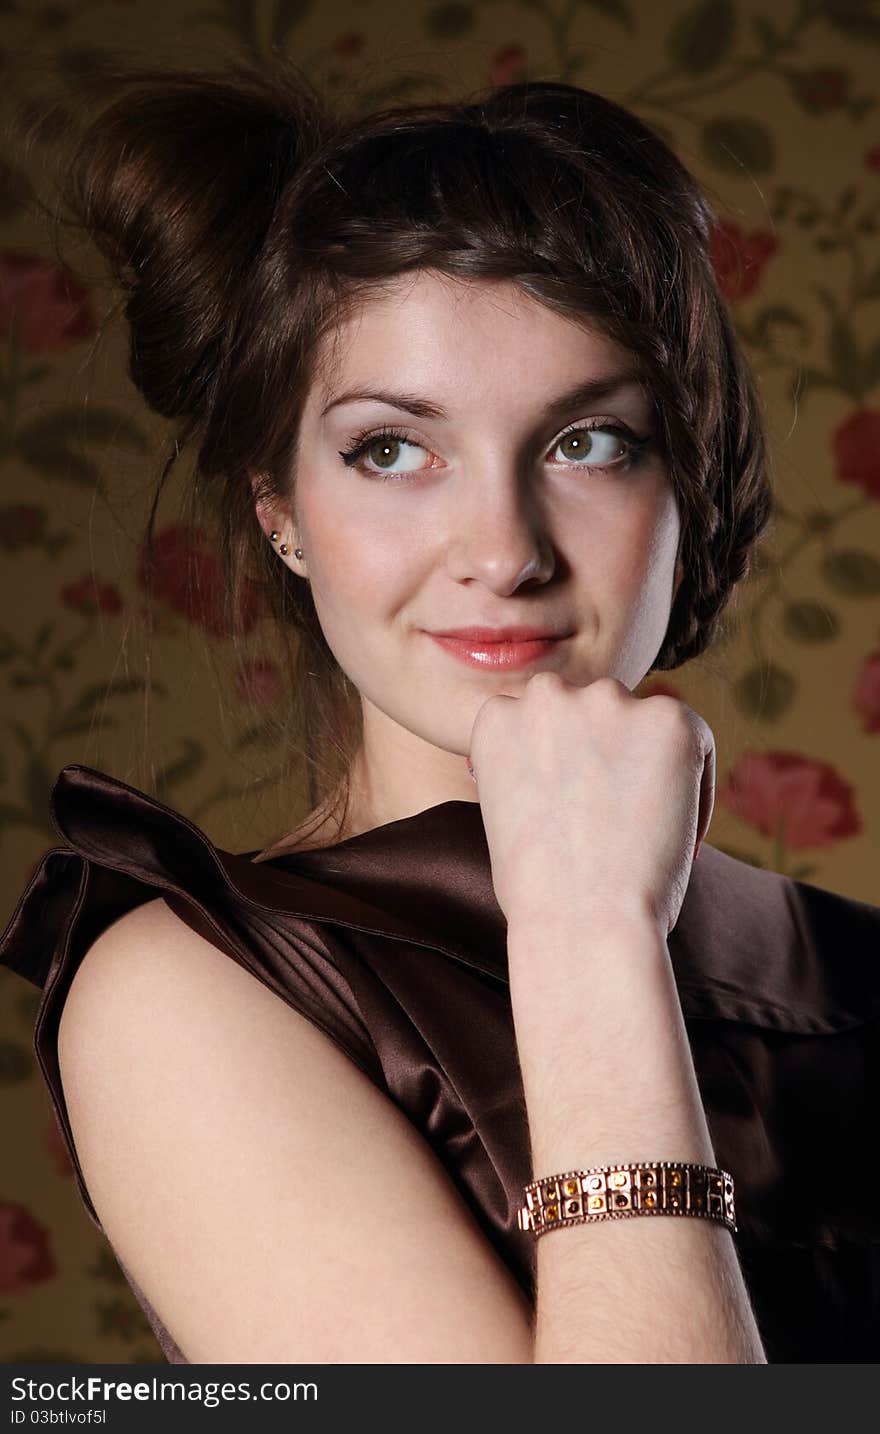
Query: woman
column 451, row 367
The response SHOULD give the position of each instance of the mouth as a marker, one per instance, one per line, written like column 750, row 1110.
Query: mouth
column 487, row 635
column 505, row 653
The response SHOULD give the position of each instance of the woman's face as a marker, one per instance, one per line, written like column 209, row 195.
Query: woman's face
column 483, row 512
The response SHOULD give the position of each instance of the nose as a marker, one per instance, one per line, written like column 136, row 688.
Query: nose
column 498, row 537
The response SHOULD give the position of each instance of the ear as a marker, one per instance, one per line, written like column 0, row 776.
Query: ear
column 269, row 517
column 273, row 516
column 280, row 529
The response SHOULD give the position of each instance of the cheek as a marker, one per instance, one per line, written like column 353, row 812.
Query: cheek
column 632, row 574
column 356, row 563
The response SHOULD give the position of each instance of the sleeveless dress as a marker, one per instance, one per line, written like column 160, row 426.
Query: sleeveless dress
column 394, row 945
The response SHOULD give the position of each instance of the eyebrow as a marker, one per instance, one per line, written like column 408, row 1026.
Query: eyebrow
column 582, row 393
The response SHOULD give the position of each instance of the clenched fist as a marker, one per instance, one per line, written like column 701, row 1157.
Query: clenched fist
column 592, row 797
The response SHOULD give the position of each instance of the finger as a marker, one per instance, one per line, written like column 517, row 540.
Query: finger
column 706, row 745
column 483, row 716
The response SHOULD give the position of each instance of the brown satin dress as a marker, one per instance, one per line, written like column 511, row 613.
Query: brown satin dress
column 393, row 943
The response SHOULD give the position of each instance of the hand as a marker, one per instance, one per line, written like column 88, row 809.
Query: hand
column 592, row 797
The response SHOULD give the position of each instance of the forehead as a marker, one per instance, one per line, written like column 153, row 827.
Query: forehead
column 438, row 330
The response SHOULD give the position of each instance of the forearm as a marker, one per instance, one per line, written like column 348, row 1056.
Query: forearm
column 613, row 1081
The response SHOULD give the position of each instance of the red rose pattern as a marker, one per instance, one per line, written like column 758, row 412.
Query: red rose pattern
column 349, row 44
column 739, row 258
column 88, row 596
column 21, row 526
column 825, row 88
column 856, row 447
column 663, row 689
column 803, row 802
column 260, row 682
column 507, row 65
column 866, row 693
column 50, row 309
column 58, row 1150
column 188, row 576
column 26, row 1256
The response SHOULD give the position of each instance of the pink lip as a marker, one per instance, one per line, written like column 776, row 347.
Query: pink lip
column 486, row 635
column 496, row 654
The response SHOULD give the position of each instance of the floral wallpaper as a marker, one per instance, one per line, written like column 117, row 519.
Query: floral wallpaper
column 775, row 106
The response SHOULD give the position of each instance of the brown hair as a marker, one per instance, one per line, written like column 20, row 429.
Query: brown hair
column 243, row 221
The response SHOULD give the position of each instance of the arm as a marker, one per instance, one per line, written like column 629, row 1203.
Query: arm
column 271, row 1202
column 611, row 1079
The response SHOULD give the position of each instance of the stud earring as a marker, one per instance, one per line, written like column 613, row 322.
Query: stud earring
column 273, row 538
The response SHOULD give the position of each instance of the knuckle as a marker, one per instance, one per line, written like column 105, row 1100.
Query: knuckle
column 545, row 681
column 489, row 711
column 671, row 711
column 610, row 687
column 662, row 702
column 673, row 717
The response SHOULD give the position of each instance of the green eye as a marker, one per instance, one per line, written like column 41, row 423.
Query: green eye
column 387, row 444
column 588, row 445
column 593, row 445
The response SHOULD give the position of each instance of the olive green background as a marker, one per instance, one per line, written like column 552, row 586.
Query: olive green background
column 775, row 108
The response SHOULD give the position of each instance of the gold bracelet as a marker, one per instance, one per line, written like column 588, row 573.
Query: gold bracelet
column 614, row 1192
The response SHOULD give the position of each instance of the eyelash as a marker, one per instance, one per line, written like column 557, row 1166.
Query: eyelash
column 636, row 444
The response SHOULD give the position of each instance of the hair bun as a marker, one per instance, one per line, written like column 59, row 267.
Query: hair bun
column 176, row 183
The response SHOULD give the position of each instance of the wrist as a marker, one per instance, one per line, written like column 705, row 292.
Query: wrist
column 585, row 917
column 589, row 972
column 605, row 1060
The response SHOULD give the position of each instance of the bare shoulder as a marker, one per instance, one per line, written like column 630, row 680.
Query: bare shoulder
column 271, row 1202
